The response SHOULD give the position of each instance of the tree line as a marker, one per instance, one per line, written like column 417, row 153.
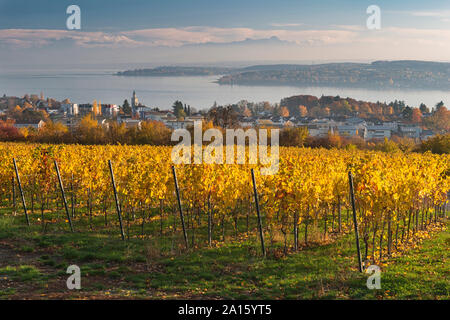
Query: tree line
column 90, row 132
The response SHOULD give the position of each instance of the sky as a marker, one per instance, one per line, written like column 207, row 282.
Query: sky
column 181, row 32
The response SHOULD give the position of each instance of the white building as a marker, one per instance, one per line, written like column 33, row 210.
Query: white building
column 321, row 127
column 146, row 113
column 318, row 131
column 392, row 125
column 427, row 134
column 110, row 110
column 70, row 109
column 35, row 124
column 179, row 124
column 246, row 124
column 131, row 123
column 348, row 130
column 377, row 132
column 410, row 131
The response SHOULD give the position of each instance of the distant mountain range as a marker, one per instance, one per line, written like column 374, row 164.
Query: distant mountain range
column 379, row 74
column 255, row 42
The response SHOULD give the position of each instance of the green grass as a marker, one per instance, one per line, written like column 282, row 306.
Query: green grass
column 21, row 273
column 147, row 268
column 423, row 272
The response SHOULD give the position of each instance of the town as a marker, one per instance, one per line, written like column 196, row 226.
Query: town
column 316, row 117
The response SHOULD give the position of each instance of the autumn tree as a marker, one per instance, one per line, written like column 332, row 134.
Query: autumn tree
column 30, row 115
column 94, row 108
column 303, row 111
column 27, row 105
column 99, row 108
column 439, row 120
column 365, row 109
column 284, row 112
column 224, row 117
column 387, row 146
column 52, row 132
column 117, row 133
column 267, row 106
column 416, row 116
column 247, row 112
column 8, row 132
column 389, row 111
column 151, row 132
column 89, row 132
column 405, row 144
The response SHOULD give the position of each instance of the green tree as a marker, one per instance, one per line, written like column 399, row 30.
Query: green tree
column 423, row 108
column 439, row 144
column 407, row 113
column 126, row 108
column 293, row 137
column 439, row 105
column 178, row 109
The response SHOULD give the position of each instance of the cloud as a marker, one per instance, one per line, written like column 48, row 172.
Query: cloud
column 349, row 27
column 351, row 38
column 27, row 38
column 172, row 37
column 203, row 35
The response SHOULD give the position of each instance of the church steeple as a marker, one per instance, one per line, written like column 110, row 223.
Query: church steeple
column 134, row 102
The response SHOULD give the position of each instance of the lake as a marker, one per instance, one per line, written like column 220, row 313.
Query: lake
column 85, row 85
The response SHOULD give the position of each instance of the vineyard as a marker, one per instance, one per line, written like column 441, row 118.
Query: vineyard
column 397, row 197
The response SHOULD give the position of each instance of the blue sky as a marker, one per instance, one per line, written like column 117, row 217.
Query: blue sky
column 179, row 31
column 138, row 14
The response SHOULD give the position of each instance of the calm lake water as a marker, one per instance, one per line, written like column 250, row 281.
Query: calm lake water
column 85, row 85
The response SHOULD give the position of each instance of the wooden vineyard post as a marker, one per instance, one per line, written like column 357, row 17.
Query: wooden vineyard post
column 261, row 234
column 339, row 215
column 63, row 194
column 209, row 221
column 355, row 222
column 119, row 214
column 179, row 207
column 13, row 189
column 21, row 192
column 72, row 204
column 295, row 231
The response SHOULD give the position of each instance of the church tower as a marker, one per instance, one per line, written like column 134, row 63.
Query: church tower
column 134, row 102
